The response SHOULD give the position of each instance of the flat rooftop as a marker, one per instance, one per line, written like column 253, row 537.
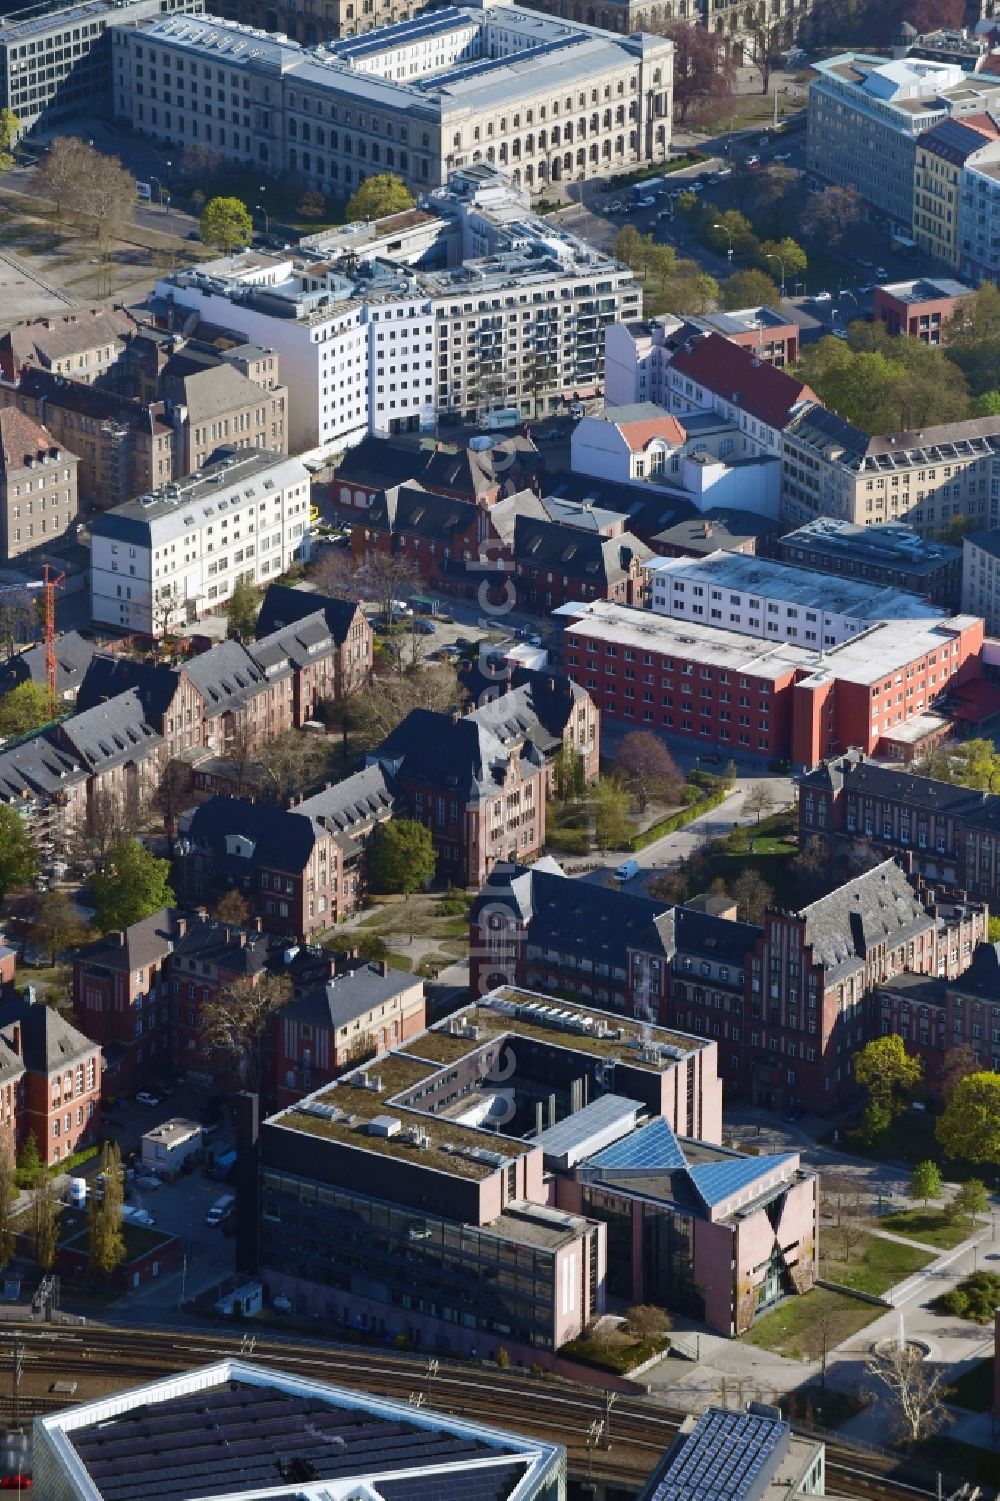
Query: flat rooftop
column 890, row 544
column 927, row 288
column 210, row 489
column 798, row 586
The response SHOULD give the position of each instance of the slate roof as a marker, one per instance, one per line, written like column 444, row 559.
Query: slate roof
column 476, row 472
column 732, row 372
column 73, row 657
column 146, row 942
column 52, row 339
column 354, row 803
column 341, row 999
column 212, row 392
column 226, row 677
column 282, row 840
column 48, row 1041
column 574, row 553
column 537, row 706
column 412, row 509
column 38, row 767
column 292, row 646
column 377, row 464
column 702, row 935
column 982, row 978
column 877, row 907
column 954, row 140
column 111, row 733
column 106, row 677
column 284, row 605
column 855, row 773
column 463, row 756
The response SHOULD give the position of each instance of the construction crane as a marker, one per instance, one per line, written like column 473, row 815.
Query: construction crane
column 49, row 583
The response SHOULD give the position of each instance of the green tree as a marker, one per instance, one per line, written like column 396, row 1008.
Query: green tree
column 378, row 196
column 612, row 828
column 25, row 708
column 226, row 224
column 106, row 1236
column 729, row 229
column 987, row 405
column 888, row 1072
column 926, row 1181
column 750, row 288
column 971, row 1199
column 133, row 884
column 786, row 257
column 969, row 1125
column 401, row 856
column 9, row 127
column 8, row 1198
column 752, row 895
column 18, row 857
column 628, row 246
column 46, row 1212
column 242, row 609
column 28, row 1160
column 568, row 774
column 58, row 925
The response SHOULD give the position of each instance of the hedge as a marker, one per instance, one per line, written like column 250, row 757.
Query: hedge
column 674, row 822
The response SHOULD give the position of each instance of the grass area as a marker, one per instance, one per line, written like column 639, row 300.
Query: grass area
column 757, row 109
column 621, row 1356
column 974, row 1388
column 928, row 1225
column 398, row 961
column 423, row 915
column 796, row 1327
column 875, row 1264
column 568, row 827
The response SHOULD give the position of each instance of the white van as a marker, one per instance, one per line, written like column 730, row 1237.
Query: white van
column 220, row 1209
column 627, row 870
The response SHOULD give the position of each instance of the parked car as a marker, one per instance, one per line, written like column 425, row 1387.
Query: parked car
column 723, row 173
column 424, row 628
column 868, row 288
column 645, row 202
column 753, row 160
column 822, row 297
column 881, row 273
column 614, row 207
column 782, row 156
column 145, row 1098
column 840, row 333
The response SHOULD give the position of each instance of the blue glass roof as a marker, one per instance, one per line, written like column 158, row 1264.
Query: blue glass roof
column 653, row 1147
column 716, row 1181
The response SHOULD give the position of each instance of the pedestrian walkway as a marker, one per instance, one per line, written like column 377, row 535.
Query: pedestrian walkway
column 904, row 1240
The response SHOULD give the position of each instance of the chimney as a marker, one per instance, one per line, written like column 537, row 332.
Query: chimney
column 380, row 966
column 15, row 1039
column 180, row 926
column 257, row 924
column 121, row 939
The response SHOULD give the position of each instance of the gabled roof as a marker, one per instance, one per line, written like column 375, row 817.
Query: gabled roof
column 280, row 840
column 378, row 464
column 461, row 756
column 293, row 645
column 56, row 338
column 107, row 677
column 733, row 373
column 537, row 706
column 878, row 907
column 48, row 1041
column 339, row 1000
column 93, row 402
column 141, row 944
column 111, row 733
column 38, row 767
column 414, row 510
column 226, row 677
column 982, row 978
column 22, row 438
column 73, row 657
column 475, row 472
column 575, row 553
column 355, row 803
column 284, row 605
column 856, row 773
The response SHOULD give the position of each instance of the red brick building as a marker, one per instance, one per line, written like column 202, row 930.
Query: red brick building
column 920, row 309
column 555, row 563
column 479, row 475
column 56, row 1096
column 936, row 1014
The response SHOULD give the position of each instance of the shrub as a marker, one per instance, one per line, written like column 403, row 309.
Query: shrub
column 955, row 1303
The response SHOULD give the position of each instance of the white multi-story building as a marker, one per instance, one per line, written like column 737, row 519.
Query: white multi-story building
column 549, row 101
column 981, row 578
column 373, row 338
column 175, row 554
column 776, row 601
column 979, row 222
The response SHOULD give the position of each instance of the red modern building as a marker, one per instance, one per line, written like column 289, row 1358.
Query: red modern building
column 919, row 309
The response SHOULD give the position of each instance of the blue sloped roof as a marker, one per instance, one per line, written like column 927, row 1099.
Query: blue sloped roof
column 716, row 1181
column 654, row 1147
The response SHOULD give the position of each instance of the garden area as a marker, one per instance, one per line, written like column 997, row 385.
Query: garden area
column 619, row 1345
column 801, row 1328
column 872, row 1264
column 423, row 932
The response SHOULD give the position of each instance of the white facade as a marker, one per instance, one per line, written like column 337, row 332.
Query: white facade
column 623, row 443
column 775, row 601
column 635, row 362
column 981, row 578
column 979, row 222
column 171, row 556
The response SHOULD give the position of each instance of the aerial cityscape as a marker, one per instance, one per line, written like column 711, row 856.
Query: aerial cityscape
column 500, row 750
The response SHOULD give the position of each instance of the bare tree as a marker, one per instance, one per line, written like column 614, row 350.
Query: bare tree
column 917, row 1394
column 834, row 1325
column 647, row 1321
column 830, row 215
column 289, row 763
column 242, row 755
column 747, row 1298
column 752, row 895
column 648, row 768
column 108, row 818
column 380, row 576
column 388, row 701
column 758, row 799
column 235, row 1023
column 846, row 1206
column 765, row 37
column 173, row 794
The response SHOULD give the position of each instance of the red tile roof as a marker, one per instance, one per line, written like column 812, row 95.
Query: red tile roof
column 21, row 437
column 731, row 371
column 638, row 434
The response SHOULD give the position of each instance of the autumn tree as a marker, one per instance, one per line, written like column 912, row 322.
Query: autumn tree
column 648, row 769
column 704, row 80
column 201, row 164
column 108, row 197
column 916, row 1392
column 133, row 884
column 173, row 794
column 58, row 925
column 648, row 1322
column 8, row 1197
column 105, row 1220
column 758, row 799
column 312, row 205
column 568, row 774
column 46, row 1212
column 18, row 856
column 925, row 1182
column 60, row 175
column 17, row 615
column 226, row 224
column 752, row 895
column 957, row 1064
column 242, row 609
column 378, row 196
column 401, row 856
column 232, row 907
column 108, row 819
column 969, row 1125
column 235, row 1023
column 829, row 215
column 9, row 127
column 891, row 1076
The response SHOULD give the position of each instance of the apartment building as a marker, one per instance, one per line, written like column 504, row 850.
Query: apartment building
column 85, row 344
column 638, row 354
column 712, row 374
column 38, row 485
column 949, row 831
column 780, row 700
column 176, row 553
column 924, row 479
column 979, row 222
column 54, row 1074
column 943, row 154
column 776, row 601
column 547, row 101
column 372, row 341
column 981, row 578
column 919, row 309
column 893, row 556
column 55, row 60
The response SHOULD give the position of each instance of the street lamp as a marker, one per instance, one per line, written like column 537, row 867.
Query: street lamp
column 159, row 187
column 267, row 221
column 846, row 292
column 726, row 231
column 771, row 255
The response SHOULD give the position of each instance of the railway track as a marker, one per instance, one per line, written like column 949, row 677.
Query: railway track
column 102, row 1359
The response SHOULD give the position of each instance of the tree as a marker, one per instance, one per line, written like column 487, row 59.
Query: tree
column 786, row 256
column 9, row 127
column 226, row 224
column 46, row 1212
column 568, row 774
column 8, row 1197
column 25, row 708
column 29, row 1162
column 173, row 794
column 236, row 1021
column 758, row 799
column 987, row 405
column 242, row 609
column 108, row 197
column 61, row 173
column 106, row 1238
column 232, row 907
column 17, row 614
column 925, row 1183
column 648, row 1322
column 916, row 1394
column 648, row 768
column 387, row 701
column 703, row 79
column 18, row 857
column 401, row 856
column 765, row 37
column 290, row 763
column 133, row 884
column 969, row 1125
column 752, row 895
column 750, row 288
column 888, row 1072
column 58, row 925
column 378, row 196
column 612, row 828
column 829, row 215
column 312, row 205
column 971, row 1199
column 109, row 818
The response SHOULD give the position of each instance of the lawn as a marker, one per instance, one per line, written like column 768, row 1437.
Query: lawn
column 567, row 828
column 875, row 1264
column 796, row 1328
column 974, row 1388
column 927, row 1225
column 423, row 915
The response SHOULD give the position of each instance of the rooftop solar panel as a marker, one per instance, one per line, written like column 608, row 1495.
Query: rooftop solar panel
column 716, row 1181
column 653, row 1147
column 730, row 1456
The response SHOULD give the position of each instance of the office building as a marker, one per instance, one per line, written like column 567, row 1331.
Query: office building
column 637, row 354
column 50, row 1079
column 879, row 689
column 943, row 155
column 223, row 1430
column 176, row 553
column 981, row 578
column 776, row 601
column 38, row 485
column 443, row 313
column 894, row 556
column 919, row 309
column 547, row 101
column 979, row 222
column 55, row 60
